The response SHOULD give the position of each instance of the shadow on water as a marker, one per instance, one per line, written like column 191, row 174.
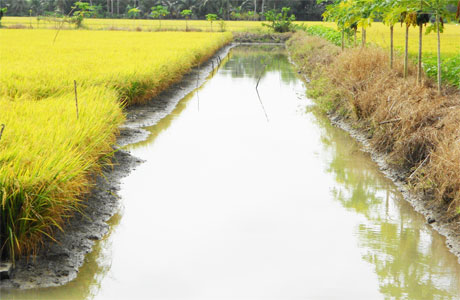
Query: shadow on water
column 410, row 259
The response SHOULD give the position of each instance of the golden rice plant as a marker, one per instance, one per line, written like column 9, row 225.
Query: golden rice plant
column 47, row 154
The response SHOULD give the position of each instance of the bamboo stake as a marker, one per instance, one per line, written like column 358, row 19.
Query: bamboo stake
column 76, row 96
column 197, row 81
column 1, row 130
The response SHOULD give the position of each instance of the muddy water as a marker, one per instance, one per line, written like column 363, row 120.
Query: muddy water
column 241, row 198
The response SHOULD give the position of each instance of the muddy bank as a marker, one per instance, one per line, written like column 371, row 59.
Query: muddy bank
column 249, row 37
column 58, row 263
column 393, row 128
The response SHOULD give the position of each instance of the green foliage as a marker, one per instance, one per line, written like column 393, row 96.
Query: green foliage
column 211, row 18
column 450, row 70
column 133, row 12
column 81, row 11
column 222, row 25
column 186, row 13
column 2, row 12
column 280, row 22
column 329, row 34
column 159, row 11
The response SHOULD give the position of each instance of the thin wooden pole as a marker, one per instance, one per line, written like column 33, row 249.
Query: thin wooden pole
column 343, row 39
column 391, row 47
column 76, row 96
column 406, row 52
column 1, row 130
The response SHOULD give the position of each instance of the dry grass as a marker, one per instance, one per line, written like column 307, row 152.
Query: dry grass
column 412, row 124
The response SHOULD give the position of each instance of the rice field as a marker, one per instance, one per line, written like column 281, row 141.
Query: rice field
column 47, row 152
column 377, row 33
column 144, row 24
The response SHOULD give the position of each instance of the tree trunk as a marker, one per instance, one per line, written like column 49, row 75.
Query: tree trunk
column 108, row 6
column 420, row 39
column 355, row 30
column 406, row 53
column 439, row 53
column 391, row 47
column 343, row 38
column 118, row 7
column 263, row 5
column 419, row 64
column 111, row 3
column 255, row 9
column 363, row 38
column 228, row 10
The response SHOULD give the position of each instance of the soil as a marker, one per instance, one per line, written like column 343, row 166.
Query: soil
column 58, row 263
column 248, row 37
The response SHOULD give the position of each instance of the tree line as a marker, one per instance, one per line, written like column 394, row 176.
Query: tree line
column 224, row 9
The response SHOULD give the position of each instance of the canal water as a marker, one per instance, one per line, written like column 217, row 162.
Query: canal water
column 251, row 194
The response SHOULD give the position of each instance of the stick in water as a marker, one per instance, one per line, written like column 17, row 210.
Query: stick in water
column 76, row 97
column 257, row 91
column 197, row 81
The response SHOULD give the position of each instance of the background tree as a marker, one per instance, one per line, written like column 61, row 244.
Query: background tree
column 134, row 12
column 159, row 12
column 280, row 22
column 340, row 12
column 211, row 18
column 439, row 8
column 3, row 11
column 81, row 11
column 186, row 13
column 391, row 14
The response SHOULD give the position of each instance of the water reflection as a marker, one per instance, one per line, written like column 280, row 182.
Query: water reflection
column 410, row 260
column 253, row 62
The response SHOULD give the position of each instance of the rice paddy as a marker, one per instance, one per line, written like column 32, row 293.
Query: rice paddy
column 47, row 150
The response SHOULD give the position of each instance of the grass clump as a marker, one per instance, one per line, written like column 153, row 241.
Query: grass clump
column 47, row 154
column 412, row 124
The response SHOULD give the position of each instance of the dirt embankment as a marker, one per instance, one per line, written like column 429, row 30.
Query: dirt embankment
column 58, row 263
column 251, row 37
column 411, row 131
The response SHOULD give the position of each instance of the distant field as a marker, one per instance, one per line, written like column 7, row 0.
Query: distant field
column 46, row 153
column 144, row 25
column 377, row 33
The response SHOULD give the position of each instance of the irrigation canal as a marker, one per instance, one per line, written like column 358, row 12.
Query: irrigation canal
column 241, row 198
